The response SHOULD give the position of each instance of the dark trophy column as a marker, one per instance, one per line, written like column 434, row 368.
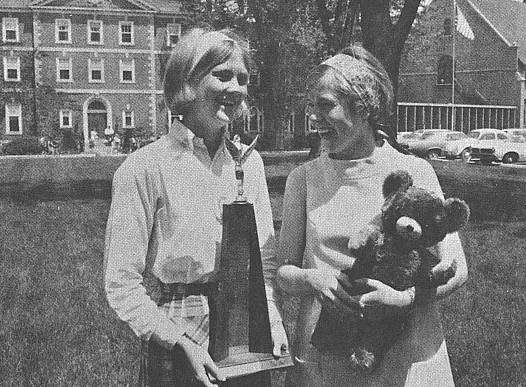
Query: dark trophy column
column 243, row 327
column 240, row 340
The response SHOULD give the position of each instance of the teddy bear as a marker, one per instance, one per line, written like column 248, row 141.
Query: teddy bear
column 394, row 250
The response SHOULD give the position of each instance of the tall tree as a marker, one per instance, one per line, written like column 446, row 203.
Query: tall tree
column 385, row 27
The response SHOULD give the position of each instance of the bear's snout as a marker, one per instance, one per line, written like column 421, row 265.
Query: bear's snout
column 408, row 228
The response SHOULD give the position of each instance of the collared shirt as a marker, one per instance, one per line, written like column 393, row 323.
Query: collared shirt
column 167, row 209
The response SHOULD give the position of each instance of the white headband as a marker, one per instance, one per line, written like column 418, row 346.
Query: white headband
column 360, row 78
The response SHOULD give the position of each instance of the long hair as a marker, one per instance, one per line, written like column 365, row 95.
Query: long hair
column 195, row 55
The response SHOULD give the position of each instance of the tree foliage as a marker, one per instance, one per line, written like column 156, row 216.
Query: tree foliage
column 291, row 37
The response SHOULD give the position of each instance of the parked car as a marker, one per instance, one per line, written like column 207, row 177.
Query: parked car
column 434, row 143
column 404, row 137
column 489, row 145
column 518, row 133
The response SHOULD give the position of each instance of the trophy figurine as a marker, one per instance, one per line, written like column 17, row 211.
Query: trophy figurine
column 240, row 340
column 236, row 151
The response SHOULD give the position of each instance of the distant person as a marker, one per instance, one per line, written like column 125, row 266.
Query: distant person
column 44, row 147
column 116, row 143
column 350, row 97
column 166, row 208
column 93, row 137
column 53, row 147
column 108, row 134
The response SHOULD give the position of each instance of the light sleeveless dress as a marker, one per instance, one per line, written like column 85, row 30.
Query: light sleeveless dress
column 340, row 196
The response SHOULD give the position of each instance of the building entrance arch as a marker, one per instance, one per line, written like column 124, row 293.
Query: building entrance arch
column 97, row 116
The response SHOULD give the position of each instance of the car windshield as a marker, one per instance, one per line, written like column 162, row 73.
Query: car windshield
column 427, row 135
column 456, row 136
column 474, row 134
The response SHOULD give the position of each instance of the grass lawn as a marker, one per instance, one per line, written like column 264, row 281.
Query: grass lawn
column 57, row 330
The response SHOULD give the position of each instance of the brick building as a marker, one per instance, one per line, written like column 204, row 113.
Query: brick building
column 487, row 39
column 84, row 64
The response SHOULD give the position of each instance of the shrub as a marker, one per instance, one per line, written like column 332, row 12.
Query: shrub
column 22, row 146
column 69, row 142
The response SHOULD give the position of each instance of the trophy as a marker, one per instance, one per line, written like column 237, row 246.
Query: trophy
column 236, row 151
column 240, row 340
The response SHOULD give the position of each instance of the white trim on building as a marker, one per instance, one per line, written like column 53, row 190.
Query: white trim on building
column 63, row 31
column 11, row 68
column 13, row 118
column 10, row 29
column 126, row 33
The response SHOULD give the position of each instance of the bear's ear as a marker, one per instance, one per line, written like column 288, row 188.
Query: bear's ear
column 457, row 213
column 396, row 181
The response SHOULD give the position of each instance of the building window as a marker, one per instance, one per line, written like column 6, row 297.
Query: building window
column 126, row 33
column 254, row 79
column 128, row 119
column 65, row 119
column 10, row 29
column 292, row 122
column 95, row 35
column 254, row 120
column 13, row 118
column 62, row 31
column 173, row 34
column 64, row 70
column 309, row 127
column 445, row 70
column 447, row 27
column 96, row 70
column 12, row 68
column 127, row 68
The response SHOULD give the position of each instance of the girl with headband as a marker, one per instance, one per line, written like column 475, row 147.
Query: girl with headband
column 349, row 101
column 166, row 210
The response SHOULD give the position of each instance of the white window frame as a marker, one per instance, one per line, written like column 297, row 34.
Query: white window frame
column 124, row 67
column 60, row 67
column 5, row 22
column 172, row 29
column 309, row 127
column 101, row 31
column 132, row 116
column 17, row 113
column 254, row 78
column 291, row 123
column 60, row 23
column 261, row 121
column 92, row 67
column 9, row 66
column 66, row 113
column 132, row 33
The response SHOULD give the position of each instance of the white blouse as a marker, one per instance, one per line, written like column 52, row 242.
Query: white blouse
column 166, row 208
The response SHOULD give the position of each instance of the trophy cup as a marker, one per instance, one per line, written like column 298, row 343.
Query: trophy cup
column 240, row 337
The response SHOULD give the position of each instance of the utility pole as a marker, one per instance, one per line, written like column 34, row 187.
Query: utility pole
column 453, row 65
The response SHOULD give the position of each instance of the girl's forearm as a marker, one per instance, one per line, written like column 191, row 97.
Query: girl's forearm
column 293, row 280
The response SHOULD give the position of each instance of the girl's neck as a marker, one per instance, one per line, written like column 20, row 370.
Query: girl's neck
column 361, row 150
column 211, row 136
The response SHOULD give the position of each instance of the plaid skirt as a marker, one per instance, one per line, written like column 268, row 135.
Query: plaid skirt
column 160, row 367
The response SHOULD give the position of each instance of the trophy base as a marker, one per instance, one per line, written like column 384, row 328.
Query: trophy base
column 240, row 362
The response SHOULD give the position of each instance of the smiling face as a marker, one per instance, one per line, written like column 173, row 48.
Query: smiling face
column 220, row 96
column 345, row 132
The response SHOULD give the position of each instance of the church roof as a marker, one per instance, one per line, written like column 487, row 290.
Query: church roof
column 507, row 18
